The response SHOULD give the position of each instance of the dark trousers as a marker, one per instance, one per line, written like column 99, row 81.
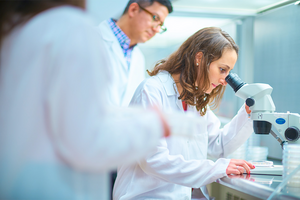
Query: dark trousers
column 113, row 176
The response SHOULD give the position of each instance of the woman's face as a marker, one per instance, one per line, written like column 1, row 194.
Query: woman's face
column 219, row 69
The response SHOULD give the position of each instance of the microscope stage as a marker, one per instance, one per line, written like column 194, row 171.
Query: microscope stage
column 269, row 170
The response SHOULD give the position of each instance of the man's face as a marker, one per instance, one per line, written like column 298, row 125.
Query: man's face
column 144, row 27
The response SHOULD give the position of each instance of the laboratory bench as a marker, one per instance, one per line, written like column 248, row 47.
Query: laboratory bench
column 251, row 187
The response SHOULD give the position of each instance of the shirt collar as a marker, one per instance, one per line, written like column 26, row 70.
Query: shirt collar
column 120, row 35
column 168, row 82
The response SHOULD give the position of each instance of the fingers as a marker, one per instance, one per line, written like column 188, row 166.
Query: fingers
column 234, row 169
column 166, row 127
column 167, row 131
column 247, row 109
column 246, row 167
column 239, row 166
column 250, row 165
column 237, row 171
column 241, row 169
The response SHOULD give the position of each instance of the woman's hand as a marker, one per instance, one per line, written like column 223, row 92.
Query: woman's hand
column 166, row 127
column 247, row 109
column 237, row 166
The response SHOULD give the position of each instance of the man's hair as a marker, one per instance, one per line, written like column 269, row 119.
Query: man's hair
column 146, row 3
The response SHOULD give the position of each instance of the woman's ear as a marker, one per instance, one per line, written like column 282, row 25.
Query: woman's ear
column 198, row 58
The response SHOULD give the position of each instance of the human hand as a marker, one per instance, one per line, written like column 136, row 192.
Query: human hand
column 237, row 166
column 247, row 109
column 166, row 127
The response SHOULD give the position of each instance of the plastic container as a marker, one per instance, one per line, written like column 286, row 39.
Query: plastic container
column 262, row 163
column 257, row 153
column 290, row 161
column 240, row 153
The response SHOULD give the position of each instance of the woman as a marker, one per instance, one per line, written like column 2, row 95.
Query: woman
column 58, row 140
column 194, row 74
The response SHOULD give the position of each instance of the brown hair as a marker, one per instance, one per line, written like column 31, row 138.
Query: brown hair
column 146, row 3
column 13, row 13
column 211, row 42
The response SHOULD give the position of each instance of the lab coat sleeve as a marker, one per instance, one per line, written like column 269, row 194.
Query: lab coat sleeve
column 223, row 142
column 174, row 168
column 86, row 133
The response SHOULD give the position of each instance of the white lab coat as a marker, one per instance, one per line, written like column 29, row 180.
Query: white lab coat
column 124, row 79
column 58, row 138
column 179, row 163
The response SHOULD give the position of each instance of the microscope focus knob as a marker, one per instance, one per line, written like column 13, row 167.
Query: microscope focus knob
column 250, row 102
column 292, row 133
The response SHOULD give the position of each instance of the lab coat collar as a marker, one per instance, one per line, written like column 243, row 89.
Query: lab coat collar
column 106, row 31
column 170, row 87
column 109, row 37
column 168, row 83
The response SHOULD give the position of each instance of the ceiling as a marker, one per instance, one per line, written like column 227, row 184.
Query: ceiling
column 188, row 15
column 226, row 6
column 191, row 15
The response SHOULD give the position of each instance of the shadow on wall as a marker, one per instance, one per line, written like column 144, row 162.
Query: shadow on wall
column 102, row 10
column 152, row 54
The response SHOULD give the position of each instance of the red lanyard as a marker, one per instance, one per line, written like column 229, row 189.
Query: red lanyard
column 184, row 105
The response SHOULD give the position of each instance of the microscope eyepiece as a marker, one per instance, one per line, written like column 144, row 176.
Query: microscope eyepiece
column 234, row 81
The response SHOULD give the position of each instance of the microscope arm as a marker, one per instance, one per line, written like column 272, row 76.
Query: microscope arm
column 287, row 124
column 278, row 138
column 258, row 97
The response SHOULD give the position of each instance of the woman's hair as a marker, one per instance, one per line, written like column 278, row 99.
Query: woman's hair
column 211, row 42
column 13, row 13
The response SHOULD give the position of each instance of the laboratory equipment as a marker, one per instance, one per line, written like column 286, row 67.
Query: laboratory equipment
column 290, row 161
column 240, row 153
column 257, row 153
column 262, row 163
column 266, row 167
column 258, row 97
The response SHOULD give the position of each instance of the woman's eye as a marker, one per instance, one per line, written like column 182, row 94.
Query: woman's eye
column 222, row 70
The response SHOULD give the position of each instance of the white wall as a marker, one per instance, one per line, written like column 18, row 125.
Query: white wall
column 102, row 10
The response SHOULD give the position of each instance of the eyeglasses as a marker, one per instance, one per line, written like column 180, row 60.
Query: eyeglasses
column 156, row 20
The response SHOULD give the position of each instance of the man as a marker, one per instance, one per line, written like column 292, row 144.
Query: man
column 140, row 21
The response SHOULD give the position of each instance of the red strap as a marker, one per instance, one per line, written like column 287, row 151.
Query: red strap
column 184, row 105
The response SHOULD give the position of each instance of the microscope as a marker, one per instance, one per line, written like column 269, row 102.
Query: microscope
column 258, row 97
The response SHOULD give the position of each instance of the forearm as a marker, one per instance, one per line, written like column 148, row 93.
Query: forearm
column 190, row 173
column 223, row 142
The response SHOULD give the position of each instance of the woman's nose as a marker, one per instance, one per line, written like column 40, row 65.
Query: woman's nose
column 223, row 82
